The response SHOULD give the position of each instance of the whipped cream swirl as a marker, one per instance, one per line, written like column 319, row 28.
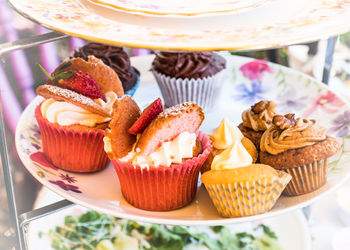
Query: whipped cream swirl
column 225, row 135
column 171, row 152
column 229, row 137
column 66, row 114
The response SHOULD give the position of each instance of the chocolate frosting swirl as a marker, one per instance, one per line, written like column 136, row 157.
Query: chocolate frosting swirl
column 114, row 57
column 259, row 116
column 188, row 65
column 303, row 133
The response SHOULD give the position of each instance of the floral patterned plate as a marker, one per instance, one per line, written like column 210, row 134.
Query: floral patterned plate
column 248, row 81
column 181, row 7
column 279, row 23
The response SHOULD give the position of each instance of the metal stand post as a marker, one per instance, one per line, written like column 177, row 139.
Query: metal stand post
column 31, row 42
column 328, row 59
column 8, row 178
column 26, row 218
column 19, row 222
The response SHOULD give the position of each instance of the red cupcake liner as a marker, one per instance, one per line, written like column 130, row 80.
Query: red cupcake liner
column 72, row 150
column 162, row 188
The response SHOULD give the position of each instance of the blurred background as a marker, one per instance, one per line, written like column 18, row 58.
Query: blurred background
column 19, row 75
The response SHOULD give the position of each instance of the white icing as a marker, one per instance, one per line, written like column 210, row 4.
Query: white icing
column 229, row 137
column 226, row 134
column 170, row 152
column 65, row 113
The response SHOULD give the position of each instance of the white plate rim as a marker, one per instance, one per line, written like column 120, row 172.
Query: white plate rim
column 146, row 12
column 178, row 43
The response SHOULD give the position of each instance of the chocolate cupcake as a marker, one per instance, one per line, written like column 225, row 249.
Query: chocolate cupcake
column 189, row 76
column 301, row 148
column 116, row 58
column 256, row 120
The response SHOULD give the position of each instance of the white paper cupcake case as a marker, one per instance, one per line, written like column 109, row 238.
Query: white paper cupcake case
column 204, row 92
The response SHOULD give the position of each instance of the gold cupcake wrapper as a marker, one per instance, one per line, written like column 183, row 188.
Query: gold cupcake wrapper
column 307, row 178
column 247, row 198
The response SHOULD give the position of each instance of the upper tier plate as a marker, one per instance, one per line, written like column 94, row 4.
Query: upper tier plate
column 181, row 7
column 279, row 23
column 293, row 92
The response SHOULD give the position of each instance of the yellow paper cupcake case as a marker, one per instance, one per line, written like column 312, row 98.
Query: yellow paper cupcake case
column 249, row 197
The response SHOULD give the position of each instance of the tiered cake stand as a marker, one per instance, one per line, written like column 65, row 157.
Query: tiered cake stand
column 247, row 25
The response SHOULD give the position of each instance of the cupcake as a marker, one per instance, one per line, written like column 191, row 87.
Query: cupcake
column 158, row 167
column 77, row 108
column 244, row 191
column 223, row 137
column 236, row 186
column 256, row 120
column 301, row 148
column 116, row 58
column 189, row 76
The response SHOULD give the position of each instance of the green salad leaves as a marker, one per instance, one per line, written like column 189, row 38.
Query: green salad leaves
column 93, row 230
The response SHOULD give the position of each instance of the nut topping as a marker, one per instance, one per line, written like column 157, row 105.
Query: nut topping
column 260, row 106
column 284, row 122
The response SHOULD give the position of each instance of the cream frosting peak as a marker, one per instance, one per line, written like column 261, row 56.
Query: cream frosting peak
column 66, row 114
column 228, row 137
column 107, row 105
column 235, row 156
column 225, row 135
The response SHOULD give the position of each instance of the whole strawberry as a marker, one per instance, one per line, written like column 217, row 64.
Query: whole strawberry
column 77, row 81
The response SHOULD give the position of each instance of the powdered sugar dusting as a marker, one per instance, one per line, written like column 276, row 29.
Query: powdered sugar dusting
column 177, row 109
column 69, row 94
column 124, row 96
column 62, row 94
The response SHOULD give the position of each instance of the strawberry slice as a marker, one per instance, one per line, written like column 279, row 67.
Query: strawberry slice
column 184, row 117
column 77, row 81
column 146, row 117
column 82, row 83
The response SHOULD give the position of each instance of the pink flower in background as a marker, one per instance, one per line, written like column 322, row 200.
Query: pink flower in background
column 328, row 102
column 255, row 70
